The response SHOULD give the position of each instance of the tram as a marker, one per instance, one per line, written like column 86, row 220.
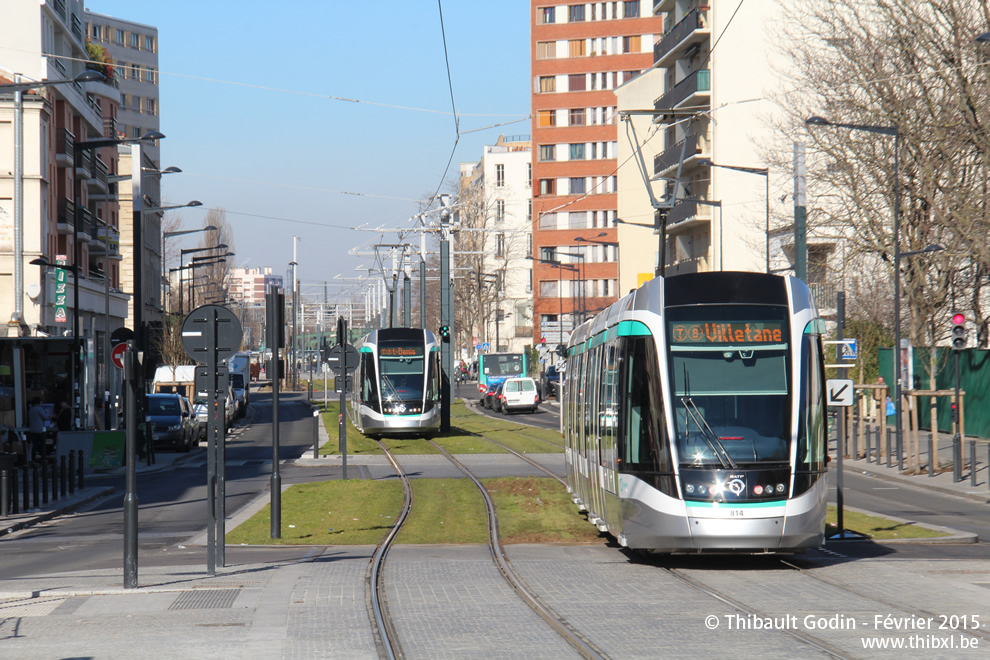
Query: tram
column 396, row 388
column 694, row 416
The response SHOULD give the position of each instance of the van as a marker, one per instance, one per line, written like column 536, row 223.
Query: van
column 239, row 367
column 519, row 394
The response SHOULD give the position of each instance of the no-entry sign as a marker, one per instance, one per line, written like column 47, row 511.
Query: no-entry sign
column 117, row 354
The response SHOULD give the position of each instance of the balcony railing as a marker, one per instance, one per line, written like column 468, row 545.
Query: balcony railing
column 66, row 214
column 697, row 81
column 823, row 293
column 59, row 6
column 63, row 147
column 670, row 157
column 100, row 174
column 686, row 211
column 84, row 166
column 693, row 20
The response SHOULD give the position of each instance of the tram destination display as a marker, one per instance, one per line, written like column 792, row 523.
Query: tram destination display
column 727, row 332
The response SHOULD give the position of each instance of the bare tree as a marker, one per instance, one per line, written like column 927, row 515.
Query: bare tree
column 910, row 65
column 213, row 280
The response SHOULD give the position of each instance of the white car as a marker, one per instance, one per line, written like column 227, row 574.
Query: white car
column 519, row 394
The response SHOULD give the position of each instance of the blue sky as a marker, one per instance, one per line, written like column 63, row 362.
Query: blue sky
column 246, row 108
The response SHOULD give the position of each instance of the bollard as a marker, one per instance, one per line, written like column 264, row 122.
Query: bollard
column 4, row 493
column 972, row 463
column 40, row 496
column 854, row 439
column 82, row 466
column 316, row 433
column 931, row 459
column 72, row 466
column 44, row 482
column 27, row 490
column 61, row 475
column 14, row 491
column 888, row 445
column 54, row 478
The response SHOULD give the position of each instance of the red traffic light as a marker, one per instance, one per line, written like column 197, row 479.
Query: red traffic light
column 958, row 319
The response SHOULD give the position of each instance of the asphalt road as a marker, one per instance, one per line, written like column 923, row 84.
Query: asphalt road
column 172, row 503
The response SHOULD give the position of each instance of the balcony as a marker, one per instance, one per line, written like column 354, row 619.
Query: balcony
column 686, row 215
column 689, row 265
column 84, row 167
column 523, row 331
column 670, row 158
column 662, row 5
column 675, row 43
column 63, row 148
column 696, row 87
column 66, row 215
column 98, row 182
column 824, row 294
column 86, row 229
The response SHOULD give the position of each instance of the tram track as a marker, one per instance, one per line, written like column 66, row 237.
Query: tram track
column 584, row 647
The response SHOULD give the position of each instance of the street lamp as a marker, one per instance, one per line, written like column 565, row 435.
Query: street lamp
column 169, row 234
column 892, row 131
column 762, row 171
column 182, row 256
column 77, row 149
column 18, row 87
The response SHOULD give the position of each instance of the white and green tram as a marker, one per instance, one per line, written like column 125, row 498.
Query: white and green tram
column 694, row 416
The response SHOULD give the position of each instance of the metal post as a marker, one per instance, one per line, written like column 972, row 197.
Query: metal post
column 275, row 327
column 342, row 416
column 62, row 477
column 4, row 493
column 316, row 433
column 957, row 438
column 422, row 293
column 406, row 301
column 932, row 459
column 888, row 445
column 14, row 492
column 131, row 368
column 446, row 318
column 40, row 483
column 972, row 463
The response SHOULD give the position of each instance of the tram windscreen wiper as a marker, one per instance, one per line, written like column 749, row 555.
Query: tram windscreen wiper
column 707, row 433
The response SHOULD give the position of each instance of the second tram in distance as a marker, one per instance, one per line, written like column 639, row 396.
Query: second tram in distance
column 695, row 417
column 396, row 389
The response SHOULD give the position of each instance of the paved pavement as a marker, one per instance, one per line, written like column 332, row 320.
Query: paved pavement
column 450, row 601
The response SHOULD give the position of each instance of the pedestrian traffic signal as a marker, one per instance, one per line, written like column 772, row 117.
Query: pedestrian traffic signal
column 445, row 333
column 958, row 332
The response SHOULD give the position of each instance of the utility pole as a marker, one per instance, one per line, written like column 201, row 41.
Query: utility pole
column 446, row 315
column 800, row 214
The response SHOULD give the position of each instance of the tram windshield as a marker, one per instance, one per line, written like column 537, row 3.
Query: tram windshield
column 730, row 379
column 401, row 364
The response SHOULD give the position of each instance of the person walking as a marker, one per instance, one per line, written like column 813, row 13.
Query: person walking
column 37, row 419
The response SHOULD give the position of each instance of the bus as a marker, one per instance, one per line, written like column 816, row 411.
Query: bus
column 493, row 368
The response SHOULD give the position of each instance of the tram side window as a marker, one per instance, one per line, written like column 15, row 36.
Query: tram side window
column 811, row 431
column 644, row 447
column 369, row 382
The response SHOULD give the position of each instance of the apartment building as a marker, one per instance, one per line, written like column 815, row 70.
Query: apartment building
column 502, row 181
column 56, row 197
column 580, row 53
column 247, row 285
column 713, row 111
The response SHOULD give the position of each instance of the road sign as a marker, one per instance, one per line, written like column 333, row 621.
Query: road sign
column 117, row 355
column 486, row 346
column 839, row 392
column 850, row 350
column 343, row 356
column 195, row 332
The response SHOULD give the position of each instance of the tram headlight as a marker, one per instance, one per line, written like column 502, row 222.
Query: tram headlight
column 689, row 489
column 768, row 489
column 781, row 488
column 701, row 490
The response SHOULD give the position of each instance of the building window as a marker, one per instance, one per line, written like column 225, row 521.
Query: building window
column 529, row 212
column 631, row 44
column 94, row 31
column 576, row 82
column 529, row 183
column 548, row 288
column 575, row 13
column 577, row 151
column 152, row 107
column 630, row 9
column 578, row 186
column 149, row 44
column 546, row 118
column 629, row 75
column 548, row 186
column 548, row 152
column 499, row 175
column 546, row 50
column 135, row 40
column 548, row 83
column 548, row 221
column 577, row 220
column 120, row 37
column 500, row 245
column 576, row 48
column 576, row 117
column 499, row 210
column 149, row 75
column 135, row 72
column 546, row 15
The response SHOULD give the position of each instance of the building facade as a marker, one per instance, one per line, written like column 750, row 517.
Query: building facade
column 501, row 274
column 580, row 53
column 247, row 285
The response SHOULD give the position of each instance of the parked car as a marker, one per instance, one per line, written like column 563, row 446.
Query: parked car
column 550, row 382
column 240, row 387
column 229, row 416
column 171, row 421
column 519, row 394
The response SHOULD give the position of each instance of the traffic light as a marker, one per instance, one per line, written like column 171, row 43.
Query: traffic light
column 445, row 333
column 958, row 332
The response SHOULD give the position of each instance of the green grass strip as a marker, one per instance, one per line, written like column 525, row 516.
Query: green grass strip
column 876, row 527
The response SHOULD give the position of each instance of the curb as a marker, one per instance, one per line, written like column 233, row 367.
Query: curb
column 955, row 537
column 43, row 516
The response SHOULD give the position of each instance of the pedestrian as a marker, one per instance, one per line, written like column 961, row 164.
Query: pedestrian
column 37, row 419
column 64, row 418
